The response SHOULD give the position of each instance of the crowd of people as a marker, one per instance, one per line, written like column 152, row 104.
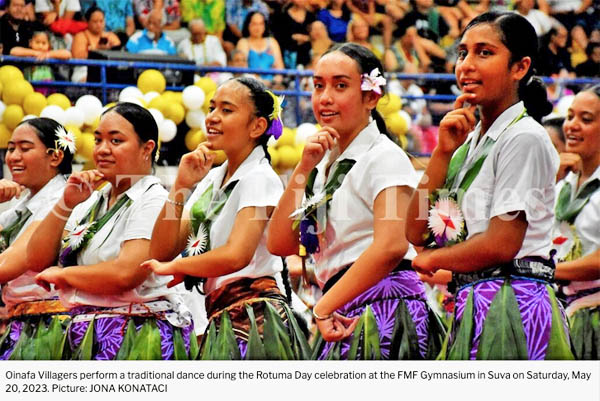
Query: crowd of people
column 501, row 227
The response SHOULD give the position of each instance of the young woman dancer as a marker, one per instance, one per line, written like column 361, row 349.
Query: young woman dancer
column 356, row 183
column 492, row 187
column 577, row 218
column 105, row 219
column 220, row 231
column 39, row 155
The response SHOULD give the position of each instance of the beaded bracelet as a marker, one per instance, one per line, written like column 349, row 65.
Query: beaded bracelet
column 175, row 202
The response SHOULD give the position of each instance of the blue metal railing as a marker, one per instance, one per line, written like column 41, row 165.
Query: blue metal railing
column 295, row 92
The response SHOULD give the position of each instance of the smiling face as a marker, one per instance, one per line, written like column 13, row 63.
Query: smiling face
column 28, row 159
column 582, row 126
column 337, row 100
column 119, row 151
column 483, row 68
column 231, row 118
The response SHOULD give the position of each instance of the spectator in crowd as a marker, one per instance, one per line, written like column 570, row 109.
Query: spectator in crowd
column 15, row 29
column 260, row 49
column 413, row 52
column 118, row 15
column 39, row 47
column 319, row 41
column 212, row 12
column 573, row 15
column 374, row 15
column 53, row 10
column 457, row 13
column 336, row 17
column 591, row 67
column 203, row 49
column 235, row 15
column 292, row 33
column 542, row 22
column 358, row 32
column 427, row 19
column 555, row 56
column 95, row 37
column 29, row 9
column 152, row 39
column 172, row 15
column 555, row 131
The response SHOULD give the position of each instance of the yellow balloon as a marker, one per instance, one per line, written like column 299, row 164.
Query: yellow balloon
column 396, row 124
column 60, row 100
column 388, row 104
column 207, row 100
column 12, row 116
column 160, row 103
column 175, row 112
column 173, row 97
column 14, row 92
column 288, row 157
column 1, row 88
column 34, row 103
column 193, row 138
column 152, row 80
column 10, row 73
column 287, row 138
column 86, row 150
column 207, row 84
column 220, row 157
column 274, row 156
column 4, row 136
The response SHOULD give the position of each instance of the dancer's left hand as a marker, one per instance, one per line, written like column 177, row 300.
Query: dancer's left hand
column 164, row 269
column 52, row 275
column 337, row 327
column 422, row 263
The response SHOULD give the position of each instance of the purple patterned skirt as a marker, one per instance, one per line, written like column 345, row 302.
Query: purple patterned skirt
column 109, row 332
column 534, row 306
column 383, row 299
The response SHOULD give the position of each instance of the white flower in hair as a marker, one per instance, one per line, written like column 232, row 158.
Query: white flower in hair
column 66, row 140
column 197, row 244
column 373, row 81
column 445, row 220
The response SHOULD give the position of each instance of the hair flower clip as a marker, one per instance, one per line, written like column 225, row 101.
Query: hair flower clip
column 373, row 81
column 65, row 140
column 276, row 127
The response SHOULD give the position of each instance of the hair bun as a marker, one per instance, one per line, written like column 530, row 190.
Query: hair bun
column 534, row 95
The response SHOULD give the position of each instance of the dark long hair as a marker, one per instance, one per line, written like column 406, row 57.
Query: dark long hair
column 366, row 61
column 144, row 124
column 519, row 37
column 263, row 105
column 45, row 129
column 245, row 27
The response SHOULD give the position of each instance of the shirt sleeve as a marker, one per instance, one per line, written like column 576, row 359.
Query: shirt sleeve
column 259, row 190
column 128, row 9
column 388, row 167
column 42, row 6
column 144, row 213
column 524, row 169
column 73, row 5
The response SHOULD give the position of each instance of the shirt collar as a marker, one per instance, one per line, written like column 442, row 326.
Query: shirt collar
column 254, row 158
column 358, row 147
column 504, row 120
column 136, row 190
column 33, row 203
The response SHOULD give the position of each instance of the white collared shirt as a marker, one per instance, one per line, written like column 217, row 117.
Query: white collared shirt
column 380, row 164
column 203, row 53
column 587, row 226
column 518, row 175
column 129, row 223
column 258, row 186
column 24, row 287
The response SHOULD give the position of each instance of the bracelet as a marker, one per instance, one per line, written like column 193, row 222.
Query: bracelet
column 175, row 202
column 317, row 317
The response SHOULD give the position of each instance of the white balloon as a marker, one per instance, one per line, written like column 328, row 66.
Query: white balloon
column 2, row 108
column 150, row 95
column 158, row 116
column 563, row 105
column 29, row 117
column 193, row 97
column 131, row 100
column 195, row 119
column 303, row 131
column 54, row 112
column 74, row 116
column 130, row 92
column 167, row 131
column 91, row 107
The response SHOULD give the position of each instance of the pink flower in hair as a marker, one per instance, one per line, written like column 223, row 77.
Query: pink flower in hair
column 373, row 81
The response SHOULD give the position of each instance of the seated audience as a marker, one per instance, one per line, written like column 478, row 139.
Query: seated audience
column 202, row 48
column 152, row 39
